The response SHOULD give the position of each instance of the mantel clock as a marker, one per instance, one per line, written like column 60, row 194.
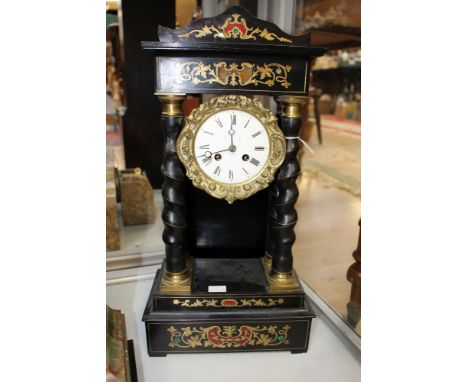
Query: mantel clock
column 230, row 169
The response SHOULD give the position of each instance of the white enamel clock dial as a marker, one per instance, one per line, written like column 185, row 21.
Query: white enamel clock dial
column 232, row 146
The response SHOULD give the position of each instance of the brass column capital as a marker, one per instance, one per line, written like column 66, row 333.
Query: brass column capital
column 291, row 106
column 172, row 103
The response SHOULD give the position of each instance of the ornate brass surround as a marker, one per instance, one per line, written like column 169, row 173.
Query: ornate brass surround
column 237, row 191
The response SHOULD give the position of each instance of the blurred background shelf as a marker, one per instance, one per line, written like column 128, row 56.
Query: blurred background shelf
column 337, row 70
column 335, row 37
column 333, row 24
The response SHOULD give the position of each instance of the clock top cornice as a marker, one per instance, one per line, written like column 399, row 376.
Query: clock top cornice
column 234, row 31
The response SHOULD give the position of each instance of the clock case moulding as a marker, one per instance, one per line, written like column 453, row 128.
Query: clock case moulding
column 212, row 244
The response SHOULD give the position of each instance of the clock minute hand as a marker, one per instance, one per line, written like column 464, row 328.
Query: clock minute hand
column 231, row 132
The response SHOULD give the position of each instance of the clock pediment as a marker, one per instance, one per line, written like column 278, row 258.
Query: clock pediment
column 236, row 26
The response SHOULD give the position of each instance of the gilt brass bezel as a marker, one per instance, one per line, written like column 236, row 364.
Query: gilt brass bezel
column 237, row 191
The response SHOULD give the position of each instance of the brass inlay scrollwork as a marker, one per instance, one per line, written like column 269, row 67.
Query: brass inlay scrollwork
column 233, row 74
column 234, row 27
column 229, row 336
column 227, row 302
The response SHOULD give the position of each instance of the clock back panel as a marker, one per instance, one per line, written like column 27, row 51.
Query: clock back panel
column 222, row 230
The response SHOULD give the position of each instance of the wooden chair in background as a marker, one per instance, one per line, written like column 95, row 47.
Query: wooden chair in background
column 354, row 277
column 316, row 93
column 307, row 129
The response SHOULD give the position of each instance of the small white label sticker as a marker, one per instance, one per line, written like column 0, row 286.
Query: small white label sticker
column 217, row 288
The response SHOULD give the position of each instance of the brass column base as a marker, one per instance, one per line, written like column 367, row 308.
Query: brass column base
column 176, row 282
column 282, row 280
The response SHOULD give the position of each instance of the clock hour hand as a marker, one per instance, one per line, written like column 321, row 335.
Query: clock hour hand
column 220, row 151
column 208, row 154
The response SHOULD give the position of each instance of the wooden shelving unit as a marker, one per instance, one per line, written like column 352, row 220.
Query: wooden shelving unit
column 335, row 37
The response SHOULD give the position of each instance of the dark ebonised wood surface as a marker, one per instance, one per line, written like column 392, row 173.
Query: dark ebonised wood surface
column 237, row 275
column 168, row 35
column 295, row 69
column 218, row 229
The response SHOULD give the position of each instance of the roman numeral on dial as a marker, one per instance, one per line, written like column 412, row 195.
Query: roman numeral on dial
column 206, row 160
column 255, row 162
column 204, row 147
column 231, row 175
column 217, row 170
column 233, row 119
column 259, row 148
column 218, row 121
column 256, row 134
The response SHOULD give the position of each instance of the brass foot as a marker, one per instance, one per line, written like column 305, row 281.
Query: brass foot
column 176, row 282
column 282, row 280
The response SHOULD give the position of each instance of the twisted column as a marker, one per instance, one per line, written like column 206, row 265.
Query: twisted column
column 283, row 217
column 176, row 275
column 273, row 193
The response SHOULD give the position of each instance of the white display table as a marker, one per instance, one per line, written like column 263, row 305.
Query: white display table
column 333, row 355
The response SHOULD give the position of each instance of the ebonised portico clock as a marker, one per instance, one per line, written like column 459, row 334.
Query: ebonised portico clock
column 230, row 170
